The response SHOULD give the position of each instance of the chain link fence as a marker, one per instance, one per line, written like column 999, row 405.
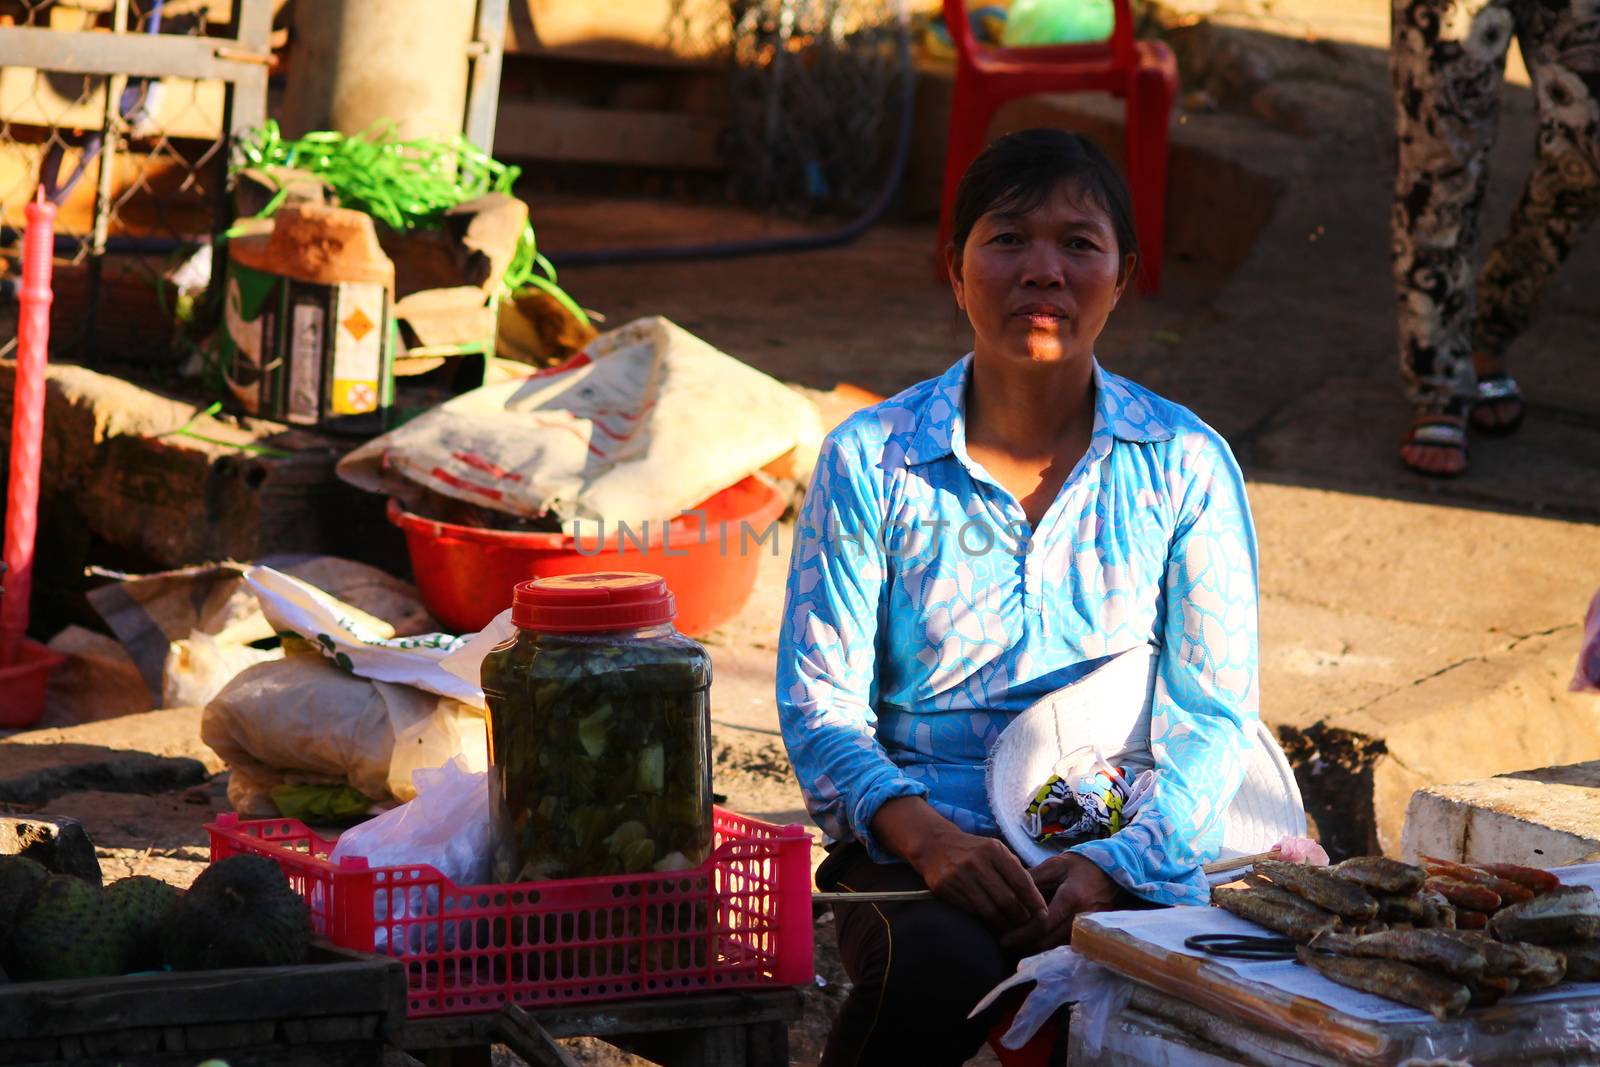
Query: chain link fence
column 127, row 129
column 816, row 88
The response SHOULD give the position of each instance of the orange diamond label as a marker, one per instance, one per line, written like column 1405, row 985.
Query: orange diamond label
column 358, row 324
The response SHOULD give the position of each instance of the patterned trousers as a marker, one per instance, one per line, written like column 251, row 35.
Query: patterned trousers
column 1447, row 62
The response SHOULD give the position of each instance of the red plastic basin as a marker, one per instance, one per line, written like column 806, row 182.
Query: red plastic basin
column 466, row 574
column 22, row 684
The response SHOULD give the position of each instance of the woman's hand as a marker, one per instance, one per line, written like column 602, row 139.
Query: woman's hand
column 983, row 876
column 1076, row 887
column 976, row 874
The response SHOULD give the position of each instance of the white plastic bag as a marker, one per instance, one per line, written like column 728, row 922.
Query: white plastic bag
column 1586, row 679
column 646, row 422
column 446, row 826
column 199, row 666
column 465, row 661
column 1062, row 977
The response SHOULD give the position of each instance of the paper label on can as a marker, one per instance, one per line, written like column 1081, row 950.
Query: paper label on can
column 244, row 376
column 305, row 363
column 358, row 349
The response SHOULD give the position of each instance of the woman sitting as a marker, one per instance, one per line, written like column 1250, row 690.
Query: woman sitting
column 973, row 544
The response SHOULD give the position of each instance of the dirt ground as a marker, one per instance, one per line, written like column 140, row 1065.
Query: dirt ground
column 1433, row 622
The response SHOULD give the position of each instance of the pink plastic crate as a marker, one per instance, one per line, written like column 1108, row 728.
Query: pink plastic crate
column 742, row 918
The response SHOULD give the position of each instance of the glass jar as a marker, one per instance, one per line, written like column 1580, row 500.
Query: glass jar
column 599, row 732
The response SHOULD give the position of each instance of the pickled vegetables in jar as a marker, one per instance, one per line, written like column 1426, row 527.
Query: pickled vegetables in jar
column 599, row 732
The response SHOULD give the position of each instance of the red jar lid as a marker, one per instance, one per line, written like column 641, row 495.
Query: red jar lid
column 586, row 603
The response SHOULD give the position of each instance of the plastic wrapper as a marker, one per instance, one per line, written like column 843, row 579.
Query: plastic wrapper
column 445, row 827
column 1061, row 977
column 1586, row 679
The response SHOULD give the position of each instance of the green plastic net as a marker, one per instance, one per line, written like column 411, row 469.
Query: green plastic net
column 405, row 185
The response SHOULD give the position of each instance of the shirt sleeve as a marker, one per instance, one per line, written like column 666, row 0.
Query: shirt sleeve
column 1206, row 701
column 827, row 649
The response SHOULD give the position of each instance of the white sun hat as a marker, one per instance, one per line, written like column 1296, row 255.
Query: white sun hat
column 1109, row 710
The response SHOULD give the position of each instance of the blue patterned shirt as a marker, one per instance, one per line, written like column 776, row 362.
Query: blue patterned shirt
column 923, row 615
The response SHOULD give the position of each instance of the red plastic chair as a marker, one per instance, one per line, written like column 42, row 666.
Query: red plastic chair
column 1143, row 73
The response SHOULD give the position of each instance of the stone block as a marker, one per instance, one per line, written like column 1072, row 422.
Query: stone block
column 1538, row 818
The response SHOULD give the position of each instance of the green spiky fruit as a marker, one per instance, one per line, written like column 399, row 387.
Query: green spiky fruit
column 144, row 904
column 240, row 912
column 19, row 878
column 66, row 929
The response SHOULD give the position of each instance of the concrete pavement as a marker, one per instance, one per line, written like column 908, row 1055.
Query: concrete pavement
column 1413, row 631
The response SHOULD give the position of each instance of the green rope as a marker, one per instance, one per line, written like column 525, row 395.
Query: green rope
column 186, row 431
column 406, row 185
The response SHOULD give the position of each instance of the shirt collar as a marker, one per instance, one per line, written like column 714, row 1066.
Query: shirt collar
column 1120, row 414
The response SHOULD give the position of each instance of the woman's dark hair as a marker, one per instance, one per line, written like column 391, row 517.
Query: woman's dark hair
column 1020, row 171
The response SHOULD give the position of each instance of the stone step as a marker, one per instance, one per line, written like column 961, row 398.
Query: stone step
column 1538, row 818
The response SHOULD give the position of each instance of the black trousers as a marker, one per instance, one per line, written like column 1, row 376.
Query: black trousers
column 917, row 969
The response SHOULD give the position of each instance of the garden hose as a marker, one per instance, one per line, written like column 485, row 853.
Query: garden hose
column 801, row 242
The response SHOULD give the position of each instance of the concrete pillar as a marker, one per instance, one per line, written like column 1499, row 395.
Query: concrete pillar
column 357, row 64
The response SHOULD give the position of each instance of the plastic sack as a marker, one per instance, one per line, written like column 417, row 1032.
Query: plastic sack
column 1586, row 679
column 1061, row 976
column 350, row 704
column 304, row 719
column 647, row 422
column 446, row 827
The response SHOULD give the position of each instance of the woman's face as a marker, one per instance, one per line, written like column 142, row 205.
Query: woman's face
column 1039, row 285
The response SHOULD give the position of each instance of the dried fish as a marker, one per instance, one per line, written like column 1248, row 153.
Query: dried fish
column 1540, row 967
column 1382, row 875
column 1532, row 877
column 1424, row 948
column 1398, row 908
column 1537, row 966
column 1571, row 913
column 1322, row 888
column 1583, row 960
column 1401, row 982
column 1277, row 910
column 1437, row 912
column 1508, row 891
column 1464, row 894
column 1489, row 989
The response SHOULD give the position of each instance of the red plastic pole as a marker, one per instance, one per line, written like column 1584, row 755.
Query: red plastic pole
column 27, row 425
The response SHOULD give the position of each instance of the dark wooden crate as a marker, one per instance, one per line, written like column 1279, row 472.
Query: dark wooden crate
column 342, row 1009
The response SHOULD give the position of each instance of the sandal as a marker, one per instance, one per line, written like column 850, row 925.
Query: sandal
column 1437, row 431
column 1498, row 389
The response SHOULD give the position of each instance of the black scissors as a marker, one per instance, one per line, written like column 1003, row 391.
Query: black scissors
column 1242, row 946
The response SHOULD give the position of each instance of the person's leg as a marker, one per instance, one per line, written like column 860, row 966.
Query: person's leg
column 1447, row 59
column 1561, row 198
column 917, row 970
